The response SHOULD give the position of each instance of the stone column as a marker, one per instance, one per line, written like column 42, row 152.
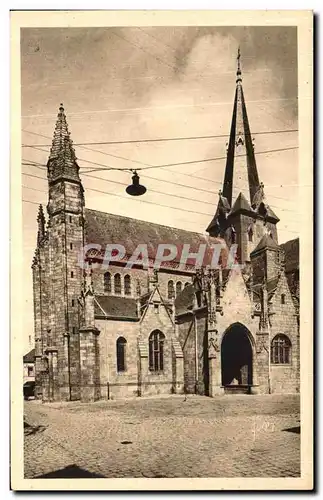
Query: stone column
column 89, row 363
column 53, row 389
column 215, row 374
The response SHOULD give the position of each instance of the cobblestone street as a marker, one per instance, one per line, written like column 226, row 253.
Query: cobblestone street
column 176, row 436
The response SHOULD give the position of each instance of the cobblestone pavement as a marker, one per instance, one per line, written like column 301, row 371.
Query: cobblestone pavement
column 175, row 436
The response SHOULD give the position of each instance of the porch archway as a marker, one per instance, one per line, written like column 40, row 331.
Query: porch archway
column 237, row 356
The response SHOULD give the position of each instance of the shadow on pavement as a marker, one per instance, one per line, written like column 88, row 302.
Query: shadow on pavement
column 32, row 429
column 296, row 430
column 71, row 471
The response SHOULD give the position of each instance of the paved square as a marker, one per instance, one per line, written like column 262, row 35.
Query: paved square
column 175, row 436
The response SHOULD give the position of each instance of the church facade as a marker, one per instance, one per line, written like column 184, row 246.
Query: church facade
column 123, row 331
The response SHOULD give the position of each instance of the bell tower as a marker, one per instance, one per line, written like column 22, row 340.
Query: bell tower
column 65, row 240
column 243, row 216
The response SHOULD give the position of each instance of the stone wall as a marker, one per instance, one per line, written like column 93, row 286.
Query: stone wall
column 152, row 382
column 116, row 384
column 136, row 275
column 186, row 334
column 285, row 377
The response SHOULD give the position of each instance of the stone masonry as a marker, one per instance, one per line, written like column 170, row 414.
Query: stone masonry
column 110, row 332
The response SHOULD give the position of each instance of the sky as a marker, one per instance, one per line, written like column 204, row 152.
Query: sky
column 130, row 84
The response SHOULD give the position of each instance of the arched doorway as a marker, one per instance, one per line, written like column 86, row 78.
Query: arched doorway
column 236, row 357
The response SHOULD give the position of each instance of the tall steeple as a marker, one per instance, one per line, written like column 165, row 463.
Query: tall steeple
column 62, row 159
column 243, row 215
column 241, row 174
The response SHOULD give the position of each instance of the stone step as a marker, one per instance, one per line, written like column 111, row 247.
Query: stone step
column 237, row 389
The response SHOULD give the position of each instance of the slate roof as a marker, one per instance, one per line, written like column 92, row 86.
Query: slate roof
column 118, row 307
column 104, row 228
column 291, row 250
column 241, row 203
column 266, row 242
column 30, row 357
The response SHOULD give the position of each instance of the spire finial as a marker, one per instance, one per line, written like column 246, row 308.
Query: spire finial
column 238, row 66
column 41, row 225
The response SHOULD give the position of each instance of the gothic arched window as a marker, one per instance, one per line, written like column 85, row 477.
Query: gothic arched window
column 156, row 351
column 280, row 349
column 171, row 290
column 107, row 282
column 186, row 284
column 127, row 285
column 121, row 354
column 282, row 298
column 178, row 287
column 117, row 284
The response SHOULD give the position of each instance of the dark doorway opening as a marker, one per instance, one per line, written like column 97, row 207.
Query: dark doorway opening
column 236, row 357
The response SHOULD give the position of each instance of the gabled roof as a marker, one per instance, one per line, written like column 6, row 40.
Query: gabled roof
column 30, row 356
column 113, row 306
column 265, row 242
column 241, row 203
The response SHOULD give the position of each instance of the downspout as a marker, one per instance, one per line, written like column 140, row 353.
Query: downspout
column 196, row 354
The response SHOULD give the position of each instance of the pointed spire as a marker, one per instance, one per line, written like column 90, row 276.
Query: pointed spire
column 241, row 170
column 61, row 139
column 41, row 225
column 239, row 79
column 62, row 158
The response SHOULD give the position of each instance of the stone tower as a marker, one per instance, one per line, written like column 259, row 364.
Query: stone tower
column 242, row 217
column 57, row 275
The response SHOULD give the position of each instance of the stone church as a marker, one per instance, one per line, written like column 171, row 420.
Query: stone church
column 117, row 332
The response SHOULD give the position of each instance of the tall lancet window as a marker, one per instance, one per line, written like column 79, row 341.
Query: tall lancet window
column 121, row 354
column 156, row 351
column 127, row 285
column 107, row 282
column 178, row 287
column 171, row 290
column 117, row 284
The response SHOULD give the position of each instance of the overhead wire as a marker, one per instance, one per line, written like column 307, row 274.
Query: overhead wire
column 155, row 191
column 161, row 139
